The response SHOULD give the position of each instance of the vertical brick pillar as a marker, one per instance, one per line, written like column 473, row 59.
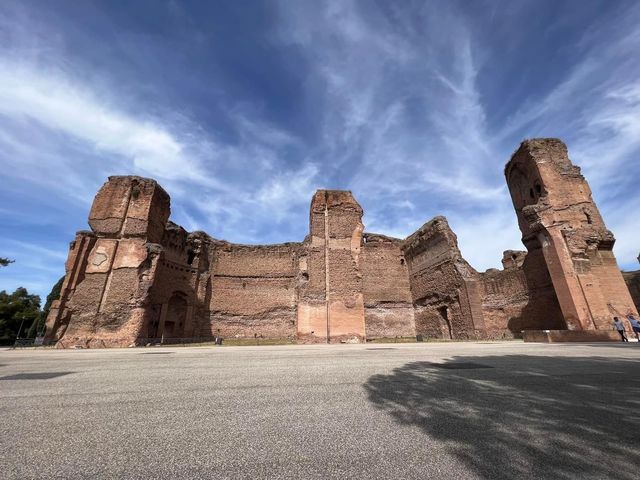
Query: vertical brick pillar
column 331, row 305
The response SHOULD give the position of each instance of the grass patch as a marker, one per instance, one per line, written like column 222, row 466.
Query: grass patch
column 392, row 340
column 233, row 342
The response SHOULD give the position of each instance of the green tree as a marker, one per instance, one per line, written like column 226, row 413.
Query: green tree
column 38, row 325
column 17, row 308
column 5, row 261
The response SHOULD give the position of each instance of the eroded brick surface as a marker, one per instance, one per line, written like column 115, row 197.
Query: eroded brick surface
column 632, row 279
column 138, row 277
column 567, row 240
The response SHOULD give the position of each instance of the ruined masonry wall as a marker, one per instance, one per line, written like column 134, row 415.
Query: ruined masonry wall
column 388, row 307
column 438, row 279
column 254, row 291
column 562, row 225
column 138, row 278
column 632, row 279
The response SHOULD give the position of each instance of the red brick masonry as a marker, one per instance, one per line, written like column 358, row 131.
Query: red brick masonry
column 137, row 277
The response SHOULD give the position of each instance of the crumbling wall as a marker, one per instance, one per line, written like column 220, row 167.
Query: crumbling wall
column 105, row 293
column 444, row 287
column 504, row 296
column 564, row 233
column 136, row 277
column 519, row 297
column 388, row 308
column 632, row 279
column 60, row 312
column 172, row 296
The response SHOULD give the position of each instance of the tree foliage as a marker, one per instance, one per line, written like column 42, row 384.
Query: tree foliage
column 5, row 261
column 38, row 326
column 17, row 308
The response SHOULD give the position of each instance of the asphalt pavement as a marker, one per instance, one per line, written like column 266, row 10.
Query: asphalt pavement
column 501, row 410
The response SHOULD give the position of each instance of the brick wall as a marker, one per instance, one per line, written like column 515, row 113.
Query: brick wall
column 388, row 307
column 138, row 277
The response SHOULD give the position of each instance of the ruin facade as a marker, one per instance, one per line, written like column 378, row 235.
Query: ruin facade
column 138, row 278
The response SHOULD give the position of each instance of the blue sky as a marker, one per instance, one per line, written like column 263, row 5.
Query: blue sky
column 241, row 110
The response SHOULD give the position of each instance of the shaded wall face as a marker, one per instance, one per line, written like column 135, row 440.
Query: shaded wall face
column 388, row 307
column 543, row 309
column 177, row 282
column 436, row 301
column 520, row 298
column 177, row 316
column 526, row 189
column 60, row 313
column 438, row 288
column 632, row 279
column 504, row 297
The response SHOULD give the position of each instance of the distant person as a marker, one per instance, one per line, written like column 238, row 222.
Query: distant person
column 635, row 325
column 619, row 326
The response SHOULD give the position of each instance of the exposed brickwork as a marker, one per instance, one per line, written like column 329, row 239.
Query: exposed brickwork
column 137, row 277
column 566, row 237
column 442, row 283
column 254, row 291
column 388, row 307
column 331, row 304
column 632, row 279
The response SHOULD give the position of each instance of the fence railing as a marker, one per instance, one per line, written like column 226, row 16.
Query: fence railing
column 30, row 342
column 141, row 342
column 98, row 343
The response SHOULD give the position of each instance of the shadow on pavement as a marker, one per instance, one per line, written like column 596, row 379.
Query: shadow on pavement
column 528, row 417
column 36, row 376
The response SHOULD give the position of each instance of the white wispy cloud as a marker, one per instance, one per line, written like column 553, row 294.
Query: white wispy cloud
column 36, row 267
column 65, row 106
column 404, row 114
column 398, row 94
column 283, row 198
column 17, row 246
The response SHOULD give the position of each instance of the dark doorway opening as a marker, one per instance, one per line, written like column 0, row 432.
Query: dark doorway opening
column 176, row 316
column 444, row 314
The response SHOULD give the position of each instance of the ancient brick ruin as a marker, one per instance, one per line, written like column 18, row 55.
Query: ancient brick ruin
column 633, row 283
column 138, row 278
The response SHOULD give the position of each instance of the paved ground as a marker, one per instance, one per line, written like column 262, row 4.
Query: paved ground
column 498, row 410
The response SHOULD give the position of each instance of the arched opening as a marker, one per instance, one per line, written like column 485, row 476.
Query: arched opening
column 538, row 188
column 525, row 187
column 176, row 316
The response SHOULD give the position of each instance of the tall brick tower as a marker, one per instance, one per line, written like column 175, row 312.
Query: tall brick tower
column 110, row 269
column 558, row 218
column 331, row 306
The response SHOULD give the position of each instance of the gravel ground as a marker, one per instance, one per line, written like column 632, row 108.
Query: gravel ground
column 445, row 411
